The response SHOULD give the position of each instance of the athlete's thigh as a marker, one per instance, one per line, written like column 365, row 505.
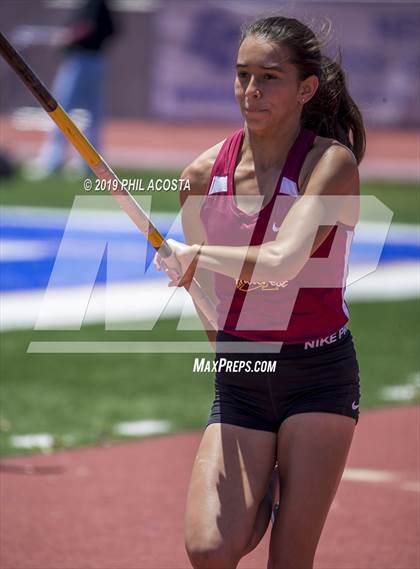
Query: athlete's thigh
column 312, row 450
column 229, row 479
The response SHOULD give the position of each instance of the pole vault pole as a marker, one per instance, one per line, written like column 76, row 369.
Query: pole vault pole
column 100, row 168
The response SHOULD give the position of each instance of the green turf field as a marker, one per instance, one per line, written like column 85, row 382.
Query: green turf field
column 78, row 398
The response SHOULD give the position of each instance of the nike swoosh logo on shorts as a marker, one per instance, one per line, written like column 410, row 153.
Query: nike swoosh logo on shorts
column 353, row 406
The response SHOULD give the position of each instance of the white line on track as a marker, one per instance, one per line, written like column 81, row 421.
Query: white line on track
column 372, row 476
column 45, row 441
column 39, row 440
column 368, row 475
column 142, row 428
column 112, row 303
column 408, row 391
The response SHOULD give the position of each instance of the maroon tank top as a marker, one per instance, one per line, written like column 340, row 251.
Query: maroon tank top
column 273, row 311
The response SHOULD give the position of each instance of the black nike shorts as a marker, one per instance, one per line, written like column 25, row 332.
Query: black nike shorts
column 260, row 390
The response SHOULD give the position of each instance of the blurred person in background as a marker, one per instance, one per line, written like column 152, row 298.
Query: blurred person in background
column 79, row 83
column 7, row 165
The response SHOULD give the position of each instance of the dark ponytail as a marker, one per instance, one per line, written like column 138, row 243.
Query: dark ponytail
column 331, row 112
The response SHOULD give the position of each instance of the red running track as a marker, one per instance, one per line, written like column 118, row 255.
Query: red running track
column 121, row 507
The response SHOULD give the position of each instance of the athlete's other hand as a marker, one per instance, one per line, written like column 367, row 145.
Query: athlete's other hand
column 180, row 266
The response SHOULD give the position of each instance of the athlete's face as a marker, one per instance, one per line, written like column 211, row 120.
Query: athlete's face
column 267, row 85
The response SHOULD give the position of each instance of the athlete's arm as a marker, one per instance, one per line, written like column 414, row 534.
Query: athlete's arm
column 198, row 174
column 329, row 197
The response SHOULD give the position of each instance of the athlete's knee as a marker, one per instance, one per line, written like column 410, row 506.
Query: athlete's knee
column 211, row 555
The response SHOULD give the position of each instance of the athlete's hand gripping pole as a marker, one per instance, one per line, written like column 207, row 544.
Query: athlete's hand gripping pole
column 100, row 168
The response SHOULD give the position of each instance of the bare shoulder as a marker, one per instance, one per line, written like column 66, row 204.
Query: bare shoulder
column 198, row 172
column 330, row 168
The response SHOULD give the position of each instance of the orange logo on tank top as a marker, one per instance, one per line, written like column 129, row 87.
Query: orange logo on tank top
column 267, row 286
